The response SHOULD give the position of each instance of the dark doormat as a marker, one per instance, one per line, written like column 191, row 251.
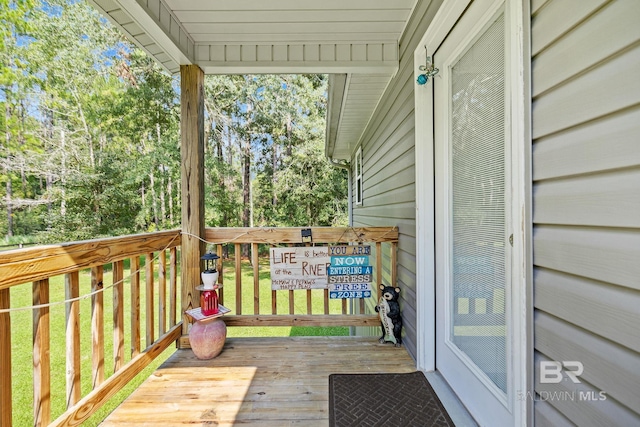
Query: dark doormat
column 388, row 400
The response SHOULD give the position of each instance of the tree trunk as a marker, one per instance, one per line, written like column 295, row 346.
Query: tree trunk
column 154, row 204
column 9, row 207
column 246, row 188
column 9, row 194
column 163, row 202
column 170, row 196
column 63, row 175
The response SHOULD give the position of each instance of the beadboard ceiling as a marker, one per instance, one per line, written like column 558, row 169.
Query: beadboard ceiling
column 354, row 41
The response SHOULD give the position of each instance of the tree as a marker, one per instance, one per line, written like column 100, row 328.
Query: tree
column 17, row 125
column 91, row 143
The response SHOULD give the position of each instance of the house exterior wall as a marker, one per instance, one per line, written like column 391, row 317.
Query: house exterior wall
column 586, row 208
column 389, row 170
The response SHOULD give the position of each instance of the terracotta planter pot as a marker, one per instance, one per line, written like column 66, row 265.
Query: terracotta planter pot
column 207, row 337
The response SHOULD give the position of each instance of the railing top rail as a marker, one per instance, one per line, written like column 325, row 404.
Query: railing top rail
column 277, row 235
column 30, row 264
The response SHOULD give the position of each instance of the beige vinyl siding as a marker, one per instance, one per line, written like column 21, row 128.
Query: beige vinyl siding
column 586, row 207
column 389, row 169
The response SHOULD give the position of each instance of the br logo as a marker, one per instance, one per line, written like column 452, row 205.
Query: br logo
column 551, row 371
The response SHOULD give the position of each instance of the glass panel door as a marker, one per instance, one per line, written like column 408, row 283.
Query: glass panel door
column 478, row 228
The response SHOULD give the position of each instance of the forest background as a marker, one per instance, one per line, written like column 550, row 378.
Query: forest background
column 90, row 143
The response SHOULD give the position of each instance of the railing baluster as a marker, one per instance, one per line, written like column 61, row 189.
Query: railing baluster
column 309, row 293
column 256, row 278
column 292, row 301
column 41, row 355
column 118, row 315
column 173, row 286
column 6, row 412
column 238, row 255
column 72, row 291
column 292, row 304
column 325, row 296
column 149, row 298
column 135, row 305
column 274, row 302
column 393, row 255
column 379, row 266
column 162, row 292
column 97, row 326
column 220, row 274
column 274, row 294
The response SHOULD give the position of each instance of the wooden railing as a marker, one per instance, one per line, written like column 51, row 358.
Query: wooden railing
column 77, row 276
column 86, row 266
column 289, row 307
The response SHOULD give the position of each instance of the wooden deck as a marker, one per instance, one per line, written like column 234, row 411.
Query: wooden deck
column 255, row 381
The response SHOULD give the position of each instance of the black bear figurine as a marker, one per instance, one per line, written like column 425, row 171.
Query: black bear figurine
column 388, row 310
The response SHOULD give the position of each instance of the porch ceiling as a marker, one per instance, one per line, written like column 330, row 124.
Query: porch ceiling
column 355, row 38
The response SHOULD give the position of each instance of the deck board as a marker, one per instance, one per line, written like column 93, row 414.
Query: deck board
column 255, row 381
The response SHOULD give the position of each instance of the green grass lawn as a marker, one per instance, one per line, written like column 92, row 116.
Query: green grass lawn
column 22, row 335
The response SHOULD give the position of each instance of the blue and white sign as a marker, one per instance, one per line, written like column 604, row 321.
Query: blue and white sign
column 343, row 270
column 349, row 294
column 341, row 287
column 349, row 261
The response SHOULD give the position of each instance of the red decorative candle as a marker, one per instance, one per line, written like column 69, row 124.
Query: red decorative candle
column 209, row 302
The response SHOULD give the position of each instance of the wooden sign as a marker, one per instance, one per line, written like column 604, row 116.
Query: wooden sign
column 299, row 268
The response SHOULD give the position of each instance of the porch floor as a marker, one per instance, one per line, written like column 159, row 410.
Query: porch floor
column 255, row 381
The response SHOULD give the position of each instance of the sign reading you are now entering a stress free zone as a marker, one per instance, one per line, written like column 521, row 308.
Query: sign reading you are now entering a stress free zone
column 350, row 274
column 344, row 270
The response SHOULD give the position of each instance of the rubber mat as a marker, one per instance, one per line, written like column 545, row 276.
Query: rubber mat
column 367, row 400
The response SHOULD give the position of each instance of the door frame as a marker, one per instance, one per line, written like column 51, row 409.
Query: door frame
column 517, row 17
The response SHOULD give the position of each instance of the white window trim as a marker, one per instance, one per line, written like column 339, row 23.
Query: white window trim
column 358, row 173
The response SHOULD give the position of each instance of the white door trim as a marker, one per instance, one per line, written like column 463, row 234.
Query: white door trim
column 517, row 16
column 443, row 21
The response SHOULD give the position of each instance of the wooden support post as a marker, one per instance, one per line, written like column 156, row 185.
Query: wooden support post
column 192, row 171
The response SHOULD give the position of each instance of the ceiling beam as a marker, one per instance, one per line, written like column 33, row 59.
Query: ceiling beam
column 379, row 57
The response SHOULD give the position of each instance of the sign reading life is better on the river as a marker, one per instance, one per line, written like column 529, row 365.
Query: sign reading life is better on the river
column 299, row 268
column 350, row 274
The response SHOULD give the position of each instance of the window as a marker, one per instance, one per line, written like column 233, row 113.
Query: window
column 358, row 176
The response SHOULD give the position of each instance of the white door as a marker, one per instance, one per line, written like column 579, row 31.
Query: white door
column 472, row 153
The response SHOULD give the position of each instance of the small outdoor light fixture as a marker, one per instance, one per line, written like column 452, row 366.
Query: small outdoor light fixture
column 209, row 295
column 428, row 71
column 306, row 235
